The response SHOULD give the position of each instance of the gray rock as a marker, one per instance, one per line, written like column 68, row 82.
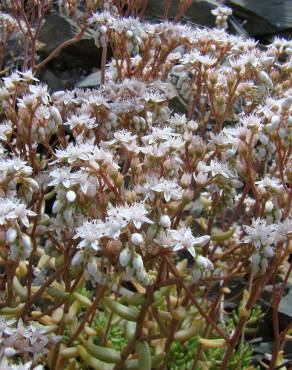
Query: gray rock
column 82, row 54
column 263, row 16
column 92, row 80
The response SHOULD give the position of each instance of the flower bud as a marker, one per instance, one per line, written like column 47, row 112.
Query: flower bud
column 265, row 79
column 165, row 221
column 266, row 61
column 129, row 34
column 138, row 262
column 70, row 196
column 139, row 108
column 186, row 180
column 264, row 265
column 255, row 259
column 193, row 126
column 9, row 352
column 282, row 132
column 142, row 276
column 202, row 262
column 26, row 241
column 11, row 235
column 269, row 206
column 57, row 206
column 130, row 271
column 125, row 257
column 137, row 239
column 268, row 251
column 103, row 29
column 188, row 195
column 275, row 121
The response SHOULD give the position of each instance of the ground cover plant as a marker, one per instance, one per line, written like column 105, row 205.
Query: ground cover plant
column 123, row 223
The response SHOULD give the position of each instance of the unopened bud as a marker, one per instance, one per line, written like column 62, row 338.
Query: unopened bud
column 268, row 251
column 202, row 262
column 188, row 195
column 264, row 78
column 125, row 257
column 26, row 241
column 137, row 239
column 186, row 180
column 11, row 235
column 138, row 262
column 269, row 206
column 9, row 352
column 165, row 221
column 275, row 121
column 70, row 196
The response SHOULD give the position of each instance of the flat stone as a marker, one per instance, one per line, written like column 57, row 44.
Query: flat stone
column 263, row 16
column 92, row 80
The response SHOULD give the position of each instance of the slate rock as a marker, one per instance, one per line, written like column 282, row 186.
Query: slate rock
column 92, row 80
column 82, row 54
column 263, row 16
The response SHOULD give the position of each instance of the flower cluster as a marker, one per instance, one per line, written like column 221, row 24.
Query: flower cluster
column 221, row 13
column 31, row 341
column 112, row 191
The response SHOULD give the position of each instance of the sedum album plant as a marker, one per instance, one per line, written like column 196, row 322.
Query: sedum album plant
column 119, row 215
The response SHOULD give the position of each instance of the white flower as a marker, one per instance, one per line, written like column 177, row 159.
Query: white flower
column 83, row 120
column 73, row 153
column 184, row 239
column 283, row 230
column 12, row 209
column 11, row 80
column 11, row 165
column 178, row 120
column 104, row 17
column 5, row 129
column 155, row 150
column 269, row 183
column 220, row 168
column 115, row 224
column 158, row 134
column 132, row 147
column 252, row 121
column 169, row 188
column 124, row 136
column 220, row 10
column 268, row 251
column 259, row 233
column 201, row 178
column 40, row 91
column 135, row 213
column 90, row 233
column 28, row 75
column 63, row 176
